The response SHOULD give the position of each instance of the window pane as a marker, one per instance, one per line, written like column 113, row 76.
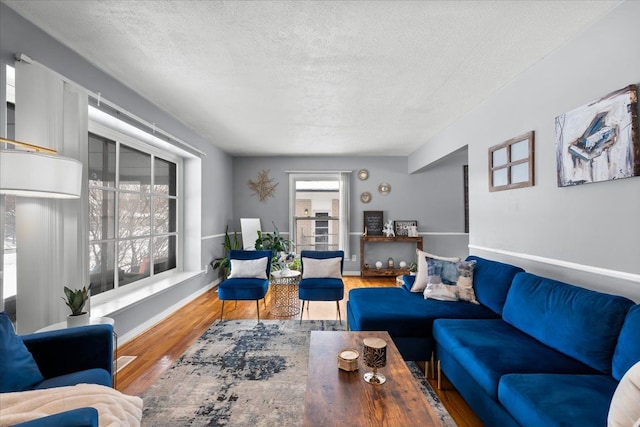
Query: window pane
column 101, row 214
column 134, row 215
column 164, row 254
column 500, row 177
column 101, row 267
column 500, row 157
column 165, row 177
column 133, row 260
column 102, row 161
column 520, row 150
column 135, row 170
column 165, row 215
column 520, row 173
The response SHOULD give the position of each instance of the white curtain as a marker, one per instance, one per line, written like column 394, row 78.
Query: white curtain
column 345, row 213
column 51, row 234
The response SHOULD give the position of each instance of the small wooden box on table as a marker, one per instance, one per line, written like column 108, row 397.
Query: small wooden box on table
column 339, row 398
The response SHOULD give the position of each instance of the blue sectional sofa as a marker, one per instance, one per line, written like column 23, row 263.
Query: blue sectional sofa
column 408, row 317
column 554, row 359
column 547, row 354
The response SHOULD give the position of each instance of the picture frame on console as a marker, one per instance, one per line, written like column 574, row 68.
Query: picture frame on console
column 402, row 227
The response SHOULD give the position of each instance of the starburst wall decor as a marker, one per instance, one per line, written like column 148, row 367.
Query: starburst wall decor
column 264, row 186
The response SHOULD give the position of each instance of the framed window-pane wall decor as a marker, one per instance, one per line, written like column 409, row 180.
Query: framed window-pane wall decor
column 511, row 163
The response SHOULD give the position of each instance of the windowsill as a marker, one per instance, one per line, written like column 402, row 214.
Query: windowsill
column 126, row 300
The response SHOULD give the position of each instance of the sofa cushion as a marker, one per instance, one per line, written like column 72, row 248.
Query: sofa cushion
column 89, row 376
column 489, row 349
column 18, row 370
column 625, row 405
column 567, row 318
column 491, row 281
column 557, row 400
column 243, row 289
column 627, row 351
column 405, row 314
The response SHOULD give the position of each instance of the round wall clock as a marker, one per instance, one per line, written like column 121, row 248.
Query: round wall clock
column 384, row 188
column 365, row 197
column 363, row 174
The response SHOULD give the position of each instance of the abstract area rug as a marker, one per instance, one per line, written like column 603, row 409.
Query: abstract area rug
column 245, row 373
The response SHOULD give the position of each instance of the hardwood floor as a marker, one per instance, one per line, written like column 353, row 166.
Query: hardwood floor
column 157, row 348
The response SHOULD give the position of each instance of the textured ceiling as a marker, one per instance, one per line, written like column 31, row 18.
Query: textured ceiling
column 313, row 77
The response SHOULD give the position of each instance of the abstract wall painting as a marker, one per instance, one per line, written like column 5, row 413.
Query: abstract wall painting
column 599, row 141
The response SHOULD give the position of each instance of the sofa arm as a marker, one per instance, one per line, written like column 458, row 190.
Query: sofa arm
column 71, row 350
column 82, row 417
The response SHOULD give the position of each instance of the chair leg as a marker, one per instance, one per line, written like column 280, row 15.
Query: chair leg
column 258, row 309
column 264, row 301
column 222, row 310
column 302, row 311
column 339, row 316
column 439, row 376
column 236, row 306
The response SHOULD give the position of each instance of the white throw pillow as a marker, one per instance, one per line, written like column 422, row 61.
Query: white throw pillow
column 421, row 276
column 249, row 268
column 624, row 410
column 328, row 268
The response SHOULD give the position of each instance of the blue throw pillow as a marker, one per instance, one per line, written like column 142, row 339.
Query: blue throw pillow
column 18, row 370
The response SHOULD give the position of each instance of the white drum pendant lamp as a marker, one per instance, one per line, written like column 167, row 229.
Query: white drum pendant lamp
column 38, row 174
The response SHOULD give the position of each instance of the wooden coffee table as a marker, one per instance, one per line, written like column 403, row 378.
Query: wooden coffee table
column 338, row 398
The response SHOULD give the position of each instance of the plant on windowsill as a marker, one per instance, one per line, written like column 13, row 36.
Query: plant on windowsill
column 76, row 300
column 222, row 264
column 276, row 243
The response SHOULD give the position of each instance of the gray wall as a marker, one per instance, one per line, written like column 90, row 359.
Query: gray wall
column 588, row 234
column 433, row 197
column 19, row 36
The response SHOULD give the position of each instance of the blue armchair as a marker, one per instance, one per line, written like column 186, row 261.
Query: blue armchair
column 248, row 279
column 321, row 278
column 58, row 358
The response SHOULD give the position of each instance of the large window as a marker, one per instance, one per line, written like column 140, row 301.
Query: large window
column 319, row 219
column 133, row 205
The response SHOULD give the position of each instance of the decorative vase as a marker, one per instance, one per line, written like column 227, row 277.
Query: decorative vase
column 78, row 320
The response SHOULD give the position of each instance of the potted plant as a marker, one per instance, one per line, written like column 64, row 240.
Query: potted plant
column 222, row 264
column 280, row 246
column 76, row 300
column 413, row 268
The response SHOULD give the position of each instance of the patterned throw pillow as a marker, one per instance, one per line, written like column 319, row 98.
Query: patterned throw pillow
column 450, row 281
column 420, row 282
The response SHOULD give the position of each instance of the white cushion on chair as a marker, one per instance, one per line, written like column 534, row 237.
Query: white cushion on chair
column 328, row 268
column 249, row 268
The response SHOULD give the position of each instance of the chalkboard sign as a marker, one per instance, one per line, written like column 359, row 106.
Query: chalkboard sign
column 373, row 223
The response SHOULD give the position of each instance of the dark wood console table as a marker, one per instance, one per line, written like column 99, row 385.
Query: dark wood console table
column 384, row 272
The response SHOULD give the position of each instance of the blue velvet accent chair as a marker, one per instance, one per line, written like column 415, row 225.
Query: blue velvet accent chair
column 65, row 357
column 321, row 286
column 245, row 283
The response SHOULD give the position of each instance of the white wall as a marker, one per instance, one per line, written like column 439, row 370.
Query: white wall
column 588, row 235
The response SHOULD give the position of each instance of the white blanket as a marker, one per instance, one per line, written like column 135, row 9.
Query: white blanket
column 115, row 409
